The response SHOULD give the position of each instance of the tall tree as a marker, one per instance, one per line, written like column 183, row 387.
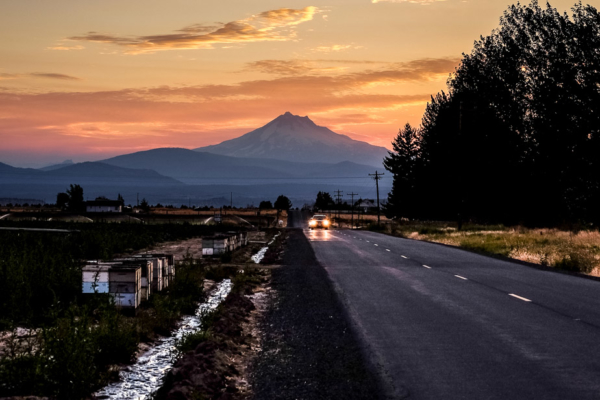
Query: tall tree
column 516, row 137
column 403, row 162
column 76, row 202
column 265, row 205
column 282, row 203
column 323, row 201
column 62, row 199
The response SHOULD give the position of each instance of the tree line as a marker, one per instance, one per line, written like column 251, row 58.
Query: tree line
column 515, row 139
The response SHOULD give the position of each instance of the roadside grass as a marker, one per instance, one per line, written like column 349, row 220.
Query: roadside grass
column 577, row 251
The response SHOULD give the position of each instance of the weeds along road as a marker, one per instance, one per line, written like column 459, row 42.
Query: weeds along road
column 449, row 324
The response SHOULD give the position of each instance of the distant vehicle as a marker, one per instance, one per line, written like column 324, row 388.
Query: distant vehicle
column 319, row 221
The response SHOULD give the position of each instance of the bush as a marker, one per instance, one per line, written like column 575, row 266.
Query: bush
column 190, row 341
column 576, row 261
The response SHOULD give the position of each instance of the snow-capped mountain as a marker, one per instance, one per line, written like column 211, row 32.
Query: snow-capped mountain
column 293, row 138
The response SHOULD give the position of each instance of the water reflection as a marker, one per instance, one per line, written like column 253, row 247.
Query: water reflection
column 141, row 379
column 318, row 235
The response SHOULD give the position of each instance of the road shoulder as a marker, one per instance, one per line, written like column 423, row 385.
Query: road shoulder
column 310, row 349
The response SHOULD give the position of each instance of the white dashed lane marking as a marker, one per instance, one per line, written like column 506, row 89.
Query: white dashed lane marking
column 461, row 277
column 404, row 257
column 519, row 297
column 387, row 250
column 426, row 266
column 376, row 245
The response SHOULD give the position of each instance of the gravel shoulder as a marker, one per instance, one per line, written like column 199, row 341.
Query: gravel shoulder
column 309, row 348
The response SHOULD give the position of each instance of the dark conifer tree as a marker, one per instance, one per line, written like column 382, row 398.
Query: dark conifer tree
column 402, row 162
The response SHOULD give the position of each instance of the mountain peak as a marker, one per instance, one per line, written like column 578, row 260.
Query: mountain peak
column 289, row 115
column 294, row 138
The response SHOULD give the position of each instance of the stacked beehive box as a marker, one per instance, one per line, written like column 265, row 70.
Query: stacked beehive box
column 121, row 281
column 219, row 244
column 168, row 265
column 215, row 245
column 125, row 284
column 243, row 238
column 233, row 241
column 95, row 278
column 147, row 274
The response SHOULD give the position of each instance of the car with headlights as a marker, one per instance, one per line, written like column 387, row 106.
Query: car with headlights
column 319, row 221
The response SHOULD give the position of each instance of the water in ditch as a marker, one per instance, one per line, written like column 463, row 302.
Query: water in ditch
column 257, row 258
column 141, row 379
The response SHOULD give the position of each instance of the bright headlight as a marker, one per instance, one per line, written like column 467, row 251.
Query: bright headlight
column 325, row 222
column 312, row 222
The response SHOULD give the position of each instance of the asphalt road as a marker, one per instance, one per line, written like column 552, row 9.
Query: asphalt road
column 444, row 323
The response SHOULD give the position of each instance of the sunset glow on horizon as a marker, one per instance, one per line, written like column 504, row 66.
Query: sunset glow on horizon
column 90, row 80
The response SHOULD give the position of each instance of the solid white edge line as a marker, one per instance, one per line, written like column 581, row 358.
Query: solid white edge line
column 461, row 277
column 426, row 266
column 519, row 297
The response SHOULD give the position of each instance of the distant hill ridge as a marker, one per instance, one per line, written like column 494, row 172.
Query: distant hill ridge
column 294, row 138
column 188, row 166
column 87, row 172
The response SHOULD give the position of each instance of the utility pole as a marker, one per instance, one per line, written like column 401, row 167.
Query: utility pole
column 459, row 221
column 352, row 207
column 338, row 195
column 377, row 176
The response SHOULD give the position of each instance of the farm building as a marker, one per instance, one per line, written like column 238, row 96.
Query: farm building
column 367, row 205
column 104, row 205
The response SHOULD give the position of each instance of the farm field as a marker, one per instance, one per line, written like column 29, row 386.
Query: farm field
column 56, row 342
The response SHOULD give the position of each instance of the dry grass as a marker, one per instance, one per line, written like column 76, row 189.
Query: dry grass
column 574, row 251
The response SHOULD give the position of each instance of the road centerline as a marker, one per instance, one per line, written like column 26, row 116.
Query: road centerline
column 519, row 297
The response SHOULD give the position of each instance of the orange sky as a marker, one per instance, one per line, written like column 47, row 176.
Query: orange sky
column 86, row 80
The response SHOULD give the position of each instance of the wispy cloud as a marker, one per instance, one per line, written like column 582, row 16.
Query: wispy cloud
column 416, row 70
column 45, row 75
column 6, row 76
column 65, row 48
column 49, row 75
column 422, row 2
column 333, row 48
column 273, row 25
column 290, row 67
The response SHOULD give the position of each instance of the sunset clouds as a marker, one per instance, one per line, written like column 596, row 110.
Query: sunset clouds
column 45, row 75
column 273, row 25
column 85, row 80
column 200, row 115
